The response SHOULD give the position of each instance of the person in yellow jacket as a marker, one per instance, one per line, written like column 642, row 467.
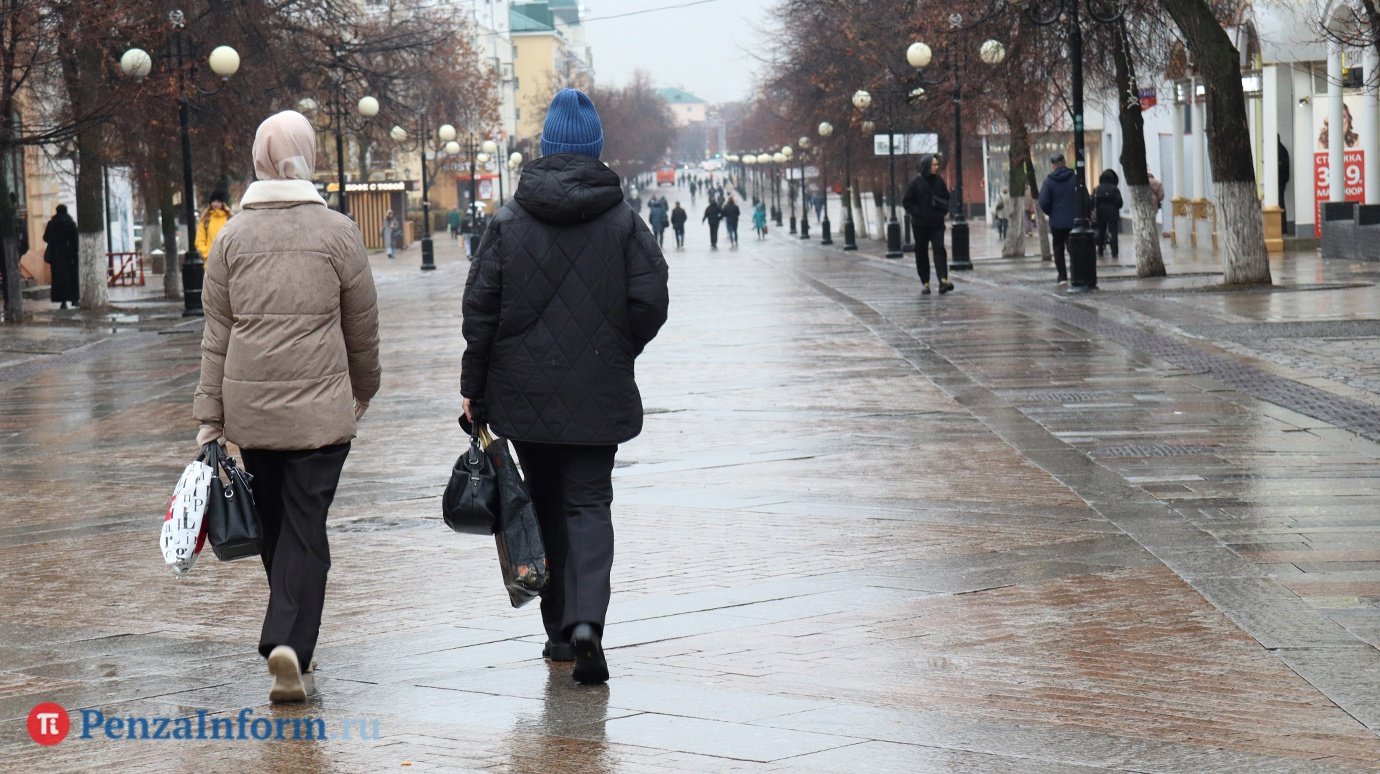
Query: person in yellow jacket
column 212, row 221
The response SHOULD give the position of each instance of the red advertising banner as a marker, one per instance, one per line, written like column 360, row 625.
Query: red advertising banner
column 1353, row 165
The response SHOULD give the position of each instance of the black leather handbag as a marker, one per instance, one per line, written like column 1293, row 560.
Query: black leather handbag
column 232, row 522
column 471, row 501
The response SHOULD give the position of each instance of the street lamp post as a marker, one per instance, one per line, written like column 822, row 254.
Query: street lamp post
column 225, row 62
column 804, row 143
column 514, row 164
column 446, row 134
column 479, row 154
column 825, row 130
column 788, row 152
column 1045, row 13
column 919, row 57
column 891, row 99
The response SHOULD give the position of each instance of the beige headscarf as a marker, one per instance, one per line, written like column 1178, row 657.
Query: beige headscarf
column 285, row 147
column 284, row 160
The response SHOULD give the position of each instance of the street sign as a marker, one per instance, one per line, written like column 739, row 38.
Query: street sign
column 906, row 144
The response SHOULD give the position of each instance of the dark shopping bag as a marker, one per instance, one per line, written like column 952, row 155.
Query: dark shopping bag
column 521, row 552
column 470, row 503
column 232, row 521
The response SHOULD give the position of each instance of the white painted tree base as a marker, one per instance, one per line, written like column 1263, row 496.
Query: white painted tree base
column 1014, row 245
column 1145, row 233
column 93, row 270
column 1244, row 258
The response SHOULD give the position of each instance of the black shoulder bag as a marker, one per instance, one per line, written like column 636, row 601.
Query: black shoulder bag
column 232, row 522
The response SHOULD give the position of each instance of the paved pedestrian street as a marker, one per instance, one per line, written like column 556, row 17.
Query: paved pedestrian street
column 864, row 530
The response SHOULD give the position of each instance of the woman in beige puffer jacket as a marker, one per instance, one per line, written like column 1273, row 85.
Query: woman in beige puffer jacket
column 289, row 363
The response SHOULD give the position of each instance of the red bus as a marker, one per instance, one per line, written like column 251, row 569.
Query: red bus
column 666, row 175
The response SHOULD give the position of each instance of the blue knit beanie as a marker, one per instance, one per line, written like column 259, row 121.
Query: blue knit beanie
column 572, row 125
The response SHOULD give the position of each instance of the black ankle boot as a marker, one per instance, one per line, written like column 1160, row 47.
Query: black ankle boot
column 590, row 666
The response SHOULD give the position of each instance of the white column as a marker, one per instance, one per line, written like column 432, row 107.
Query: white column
column 1180, row 182
column 1370, row 125
column 1336, row 168
column 1269, row 130
column 1200, row 145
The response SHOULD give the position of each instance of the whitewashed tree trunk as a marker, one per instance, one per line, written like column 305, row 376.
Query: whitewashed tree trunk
column 1145, row 233
column 93, row 270
column 860, row 227
column 1014, row 245
column 1244, row 258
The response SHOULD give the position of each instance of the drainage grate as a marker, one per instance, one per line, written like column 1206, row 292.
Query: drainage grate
column 1154, row 450
column 1073, row 396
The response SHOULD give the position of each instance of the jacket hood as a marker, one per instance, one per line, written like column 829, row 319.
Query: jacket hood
column 1062, row 174
column 925, row 167
column 568, row 188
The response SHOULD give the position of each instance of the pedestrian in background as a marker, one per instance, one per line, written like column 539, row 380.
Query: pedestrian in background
column 759, row 220
column 927, row 201
column 63, row 257
column 658, row 217
column 215, row 217
column 453, row 222
column 289, row 363
column 1059, row 202
column 390, row 232
column 678, row 218
column 731, row 213
column 1001, row 212
column 712, row 215
column 565, row 415
column 1107, row 211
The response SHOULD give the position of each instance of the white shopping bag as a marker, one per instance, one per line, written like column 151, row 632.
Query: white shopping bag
column 184, row 526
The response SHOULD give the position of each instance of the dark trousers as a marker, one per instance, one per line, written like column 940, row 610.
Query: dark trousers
column 732, row 231
column 714, row 234
column 660, row 232
column 926, row 237
column 1061, row 243
column 680, row 237
column 1106, row 232
column 293, row 491
column 572, row 493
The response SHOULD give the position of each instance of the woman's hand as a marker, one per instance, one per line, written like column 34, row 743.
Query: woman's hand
column 468, row 406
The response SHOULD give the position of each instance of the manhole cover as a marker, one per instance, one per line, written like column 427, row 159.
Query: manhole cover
column 1154, row 450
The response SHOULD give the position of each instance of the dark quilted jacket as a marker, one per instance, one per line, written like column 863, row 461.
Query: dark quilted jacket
column 568, row 287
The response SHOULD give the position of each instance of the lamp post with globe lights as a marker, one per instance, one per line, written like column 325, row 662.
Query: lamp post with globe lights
column 789, row 152
column 804, row 143
column 446, row 135
column 919, row 56
column 750, row 169
column 1046, row 13
column 890, row 100
column 778, row 163
column 224, row 61
column 514, row 164
column 825, row 130
column 367, row 107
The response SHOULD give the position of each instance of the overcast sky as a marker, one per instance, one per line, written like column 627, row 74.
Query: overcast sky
column 701, row 48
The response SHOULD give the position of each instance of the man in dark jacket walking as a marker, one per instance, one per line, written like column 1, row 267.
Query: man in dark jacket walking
column 1059, row 202
column 657, row 217
column 63, row 257
column 567, row 289
column 712, row 215
column 678, row 218
column 927, row 201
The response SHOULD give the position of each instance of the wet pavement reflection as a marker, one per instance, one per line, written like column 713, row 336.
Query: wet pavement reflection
column 863, row 530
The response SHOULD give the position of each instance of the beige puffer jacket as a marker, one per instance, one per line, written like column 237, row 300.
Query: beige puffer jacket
column 291, row 328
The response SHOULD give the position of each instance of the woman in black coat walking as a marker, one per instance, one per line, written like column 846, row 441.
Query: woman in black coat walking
column 63, row 257
column 549, row 358
column 1107, row 211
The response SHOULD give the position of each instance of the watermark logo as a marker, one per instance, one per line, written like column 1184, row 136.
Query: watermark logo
column 49, row 723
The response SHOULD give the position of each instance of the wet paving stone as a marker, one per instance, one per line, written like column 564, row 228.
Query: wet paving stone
column 862, row 531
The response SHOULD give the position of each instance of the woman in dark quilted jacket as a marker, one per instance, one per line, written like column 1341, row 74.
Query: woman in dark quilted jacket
column 568, row 288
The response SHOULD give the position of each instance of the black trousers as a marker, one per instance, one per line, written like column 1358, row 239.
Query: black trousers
column 1106, row 232
column 293, row 490
column 680, row 237
column 660, row 234
column 927, row 236
column 1061, row 243
column 732, row 231
column 572, row 492
column 714, row 234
